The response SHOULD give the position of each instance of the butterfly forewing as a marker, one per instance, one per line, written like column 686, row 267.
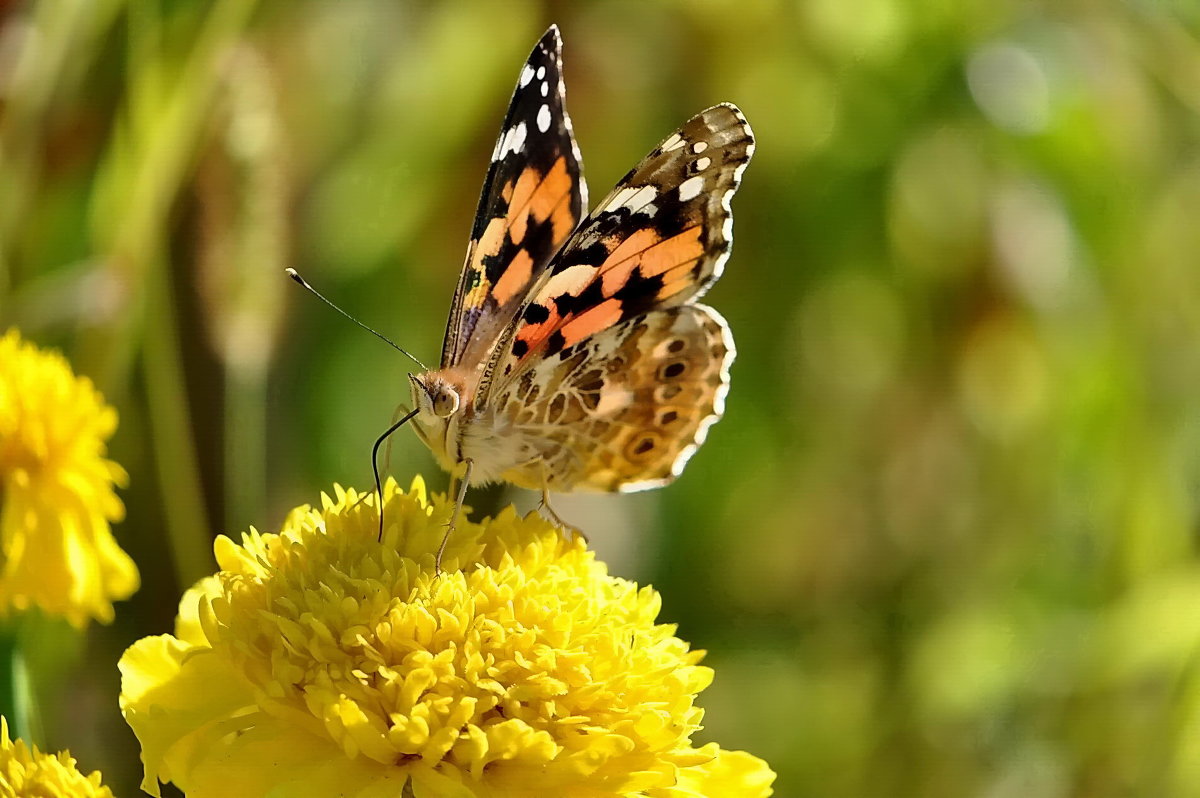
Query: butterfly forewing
column 532, row 199
column 658, row 240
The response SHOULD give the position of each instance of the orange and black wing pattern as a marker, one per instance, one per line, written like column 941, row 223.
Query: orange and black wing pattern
column 532, row 200
column 659, row 240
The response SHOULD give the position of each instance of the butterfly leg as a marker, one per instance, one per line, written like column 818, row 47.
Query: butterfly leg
column 460, row 497
column 546, row 510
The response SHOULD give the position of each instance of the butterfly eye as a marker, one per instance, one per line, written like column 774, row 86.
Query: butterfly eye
column 446, row 401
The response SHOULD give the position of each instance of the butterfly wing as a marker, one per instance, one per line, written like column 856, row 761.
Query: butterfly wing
column 659, row 240
column 532, row 199
column 623, row 409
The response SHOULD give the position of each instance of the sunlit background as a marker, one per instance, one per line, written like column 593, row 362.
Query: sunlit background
column 944, row 542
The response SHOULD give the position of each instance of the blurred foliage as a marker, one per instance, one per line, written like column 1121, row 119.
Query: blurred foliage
column 944, row 542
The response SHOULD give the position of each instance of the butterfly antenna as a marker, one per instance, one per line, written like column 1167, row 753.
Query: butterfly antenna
column 295, row 275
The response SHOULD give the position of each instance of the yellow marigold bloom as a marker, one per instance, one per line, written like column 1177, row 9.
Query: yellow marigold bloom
column 57, row 495
column 25, row 771
column 320, row 661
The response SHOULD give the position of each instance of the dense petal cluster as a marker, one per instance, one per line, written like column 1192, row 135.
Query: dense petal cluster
column 57, row 490
column 25, row 771
column 322, row 661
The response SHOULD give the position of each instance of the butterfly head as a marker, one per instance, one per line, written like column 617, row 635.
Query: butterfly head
column 434, row 395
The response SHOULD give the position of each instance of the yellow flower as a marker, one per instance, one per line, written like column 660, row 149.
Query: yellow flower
column 57, row 493
column 25, row 771
column 320, row 661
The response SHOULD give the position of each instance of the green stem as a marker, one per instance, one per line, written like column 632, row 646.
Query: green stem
column 174, row 447
column 245, row 450
column 17, row 701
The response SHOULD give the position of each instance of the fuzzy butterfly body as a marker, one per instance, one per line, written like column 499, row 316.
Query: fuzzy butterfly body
column 576, row 356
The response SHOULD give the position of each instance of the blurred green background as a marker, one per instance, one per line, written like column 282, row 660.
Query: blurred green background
column 944, row 542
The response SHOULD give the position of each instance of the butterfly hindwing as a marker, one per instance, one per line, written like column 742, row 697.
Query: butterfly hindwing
column 624, row 409
column 532, row 199
column 660, row 239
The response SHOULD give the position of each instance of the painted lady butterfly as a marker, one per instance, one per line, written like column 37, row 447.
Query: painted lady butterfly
column 576, row 357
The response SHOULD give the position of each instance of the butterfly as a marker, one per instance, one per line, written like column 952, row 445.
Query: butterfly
column 576, row 356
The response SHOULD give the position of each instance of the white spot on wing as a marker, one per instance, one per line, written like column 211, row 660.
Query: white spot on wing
column 571, row 280
column 613, row 399
column 545, row 88
column 690, row 188
column 673, row 143
column 543, row 117
column 621, row 199
column 512, row 141
column 541, row 73
column 526, row 75
column 637, row 199
column 699, row 147
column 703, row 163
